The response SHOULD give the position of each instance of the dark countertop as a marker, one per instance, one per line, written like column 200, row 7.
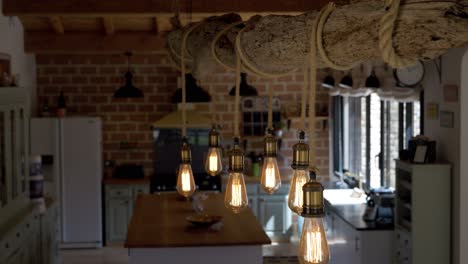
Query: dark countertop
column 128, row 181
column 352, row 214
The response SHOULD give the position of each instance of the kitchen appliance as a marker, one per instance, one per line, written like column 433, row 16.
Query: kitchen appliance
column 380, row 206
column 71, row 149
column 129, row 171
column 167, row 142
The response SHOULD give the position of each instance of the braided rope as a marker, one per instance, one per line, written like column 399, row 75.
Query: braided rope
column 215, row 41
column 387, row 26
column 319, row 24
column 250, row 65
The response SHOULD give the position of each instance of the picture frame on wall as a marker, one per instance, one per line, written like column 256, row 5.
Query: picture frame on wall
column 446, row 119
column 5, row 64
column 432, row 111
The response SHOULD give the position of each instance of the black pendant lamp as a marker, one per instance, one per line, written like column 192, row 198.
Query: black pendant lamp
column 346, row 82
column 195, row 93
column 372, row 81
column 328, row 82
column 245, row 88
column 128, row 90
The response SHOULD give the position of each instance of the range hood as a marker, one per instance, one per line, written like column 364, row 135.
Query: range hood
column 245, row 89
column 174, row 119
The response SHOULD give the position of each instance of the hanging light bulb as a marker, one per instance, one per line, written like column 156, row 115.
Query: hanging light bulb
column 185, row 181
column 313, row 247
column 300, row 175
column 213, row 163
column 236, row 193
column 271, row 179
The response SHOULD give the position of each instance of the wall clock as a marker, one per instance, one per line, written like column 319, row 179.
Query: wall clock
column 411, row 76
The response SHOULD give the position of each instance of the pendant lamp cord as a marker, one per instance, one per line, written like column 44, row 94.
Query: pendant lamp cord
column 212, row 106
column 270, row 109
column 184, row 92
column 304, row 98
column 237, row 97
column 312, row 84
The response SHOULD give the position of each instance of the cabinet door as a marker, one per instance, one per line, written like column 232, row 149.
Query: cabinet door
column 273, row 213
column 253, row 204
column 118, row 216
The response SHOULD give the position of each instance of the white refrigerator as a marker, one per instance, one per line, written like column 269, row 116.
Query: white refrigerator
column 72, row 162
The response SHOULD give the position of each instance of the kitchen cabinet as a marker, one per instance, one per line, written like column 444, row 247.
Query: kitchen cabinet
column 271, row 210
column 49, row 236
column 422, row 232
column 119, row 201
column 349, row 245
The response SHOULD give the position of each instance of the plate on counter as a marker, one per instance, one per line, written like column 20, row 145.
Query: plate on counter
column 203, row 220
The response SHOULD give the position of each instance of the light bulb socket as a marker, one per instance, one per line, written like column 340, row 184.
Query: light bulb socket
column 270, row 146
column 236, row 158
column 185, row 153
column 300, row 154
column 313, row 206
column 213, row 138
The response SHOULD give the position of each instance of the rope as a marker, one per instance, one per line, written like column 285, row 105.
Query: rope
column 387, row 26
column 312, row 79
column 304, row 99
column 212, row 106
column 183, row 72
column 215, row 41
column 250, row 65
column 237, row 97
column 317, row 34
column 270, row 108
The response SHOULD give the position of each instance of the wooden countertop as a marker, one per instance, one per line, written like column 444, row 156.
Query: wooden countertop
column 159, row 221
column 129, row 181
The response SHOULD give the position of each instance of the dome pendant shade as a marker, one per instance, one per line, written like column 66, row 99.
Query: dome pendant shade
column 128, row 90
column 372, row 81
column 328, row 82
column 346, row 82
column 245, row 88
column 195, row 93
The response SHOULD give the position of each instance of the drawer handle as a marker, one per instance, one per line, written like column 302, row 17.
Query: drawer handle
column 17, row 234
column 7, row 245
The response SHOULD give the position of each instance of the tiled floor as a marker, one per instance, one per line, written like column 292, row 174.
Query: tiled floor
column 283, row 253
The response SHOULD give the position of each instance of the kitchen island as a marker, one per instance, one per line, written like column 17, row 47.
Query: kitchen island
column 160, row 233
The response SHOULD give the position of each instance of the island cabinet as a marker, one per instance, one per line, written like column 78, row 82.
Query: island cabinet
column 119, row 201
column 271, row 210
column 33, row 239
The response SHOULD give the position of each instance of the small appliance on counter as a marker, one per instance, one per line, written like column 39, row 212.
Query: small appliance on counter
column 129, row 171
column 380, row 206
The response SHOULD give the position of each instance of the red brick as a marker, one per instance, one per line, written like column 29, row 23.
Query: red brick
column 138, row 117
column 43, row 80
column 118, row 118
column 108, row 108
column 88, row 108
column 79, row 80
column 137, row 155
column 51, row 70
column 68, row 70
column 127, row 127
column 88, row 70
column 107, row 70
column 89, row 89
column 127, row 108
column 119, row 136
column 79, row 99
column 98, row 80
column 99, row 99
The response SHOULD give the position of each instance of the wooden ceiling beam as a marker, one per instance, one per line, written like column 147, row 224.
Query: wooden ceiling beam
column 108, row 25
column 141, row 7
column 42, row 42
column 156, row 25
column 57, row 24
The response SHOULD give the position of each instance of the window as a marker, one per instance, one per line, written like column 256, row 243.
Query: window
column 368, row 134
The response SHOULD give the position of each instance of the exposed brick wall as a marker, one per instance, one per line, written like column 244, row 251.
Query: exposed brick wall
column 89, row 81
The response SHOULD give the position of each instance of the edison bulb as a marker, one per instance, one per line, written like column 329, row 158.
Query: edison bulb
column 271, row 179
column 313, row 247
column 213, row 163
column 295, row 198
column 236, row 193
column 185, row 181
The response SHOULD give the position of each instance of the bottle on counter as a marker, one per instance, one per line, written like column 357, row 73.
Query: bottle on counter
column 255, row 165
column 61, row 105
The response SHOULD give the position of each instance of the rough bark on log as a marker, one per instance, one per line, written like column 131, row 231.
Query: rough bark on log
column 198, row 44
column 279, row 44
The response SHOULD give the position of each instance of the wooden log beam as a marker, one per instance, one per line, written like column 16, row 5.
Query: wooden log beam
column 41, row 42
column 108, row 25
column 132, row 7
column 156, row 25
column 279, row 44
column 57, row 24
